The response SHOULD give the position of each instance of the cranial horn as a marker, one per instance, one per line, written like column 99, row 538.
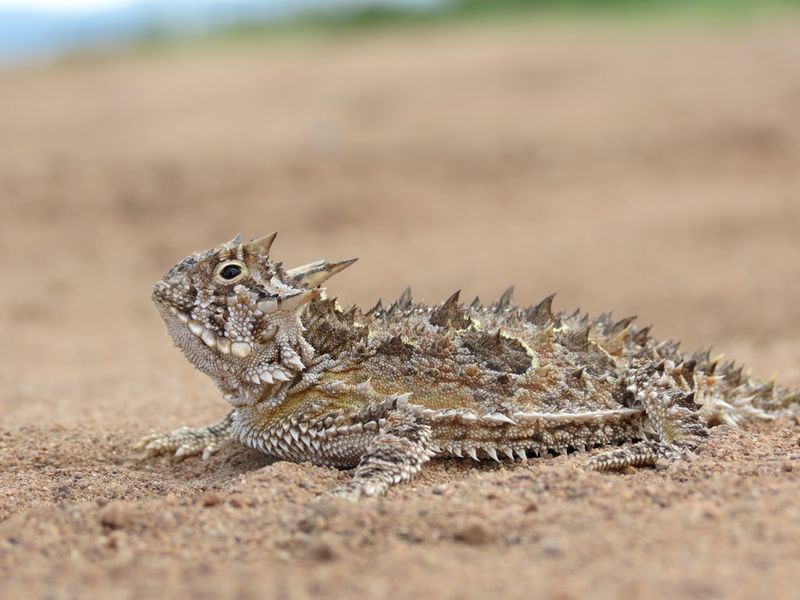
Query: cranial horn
column 261, row 246
column 230, row 249
column 289, row 303
column 311, row 275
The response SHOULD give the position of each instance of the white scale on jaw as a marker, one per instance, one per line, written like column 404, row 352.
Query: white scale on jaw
column 290, row 360
column 211, row 339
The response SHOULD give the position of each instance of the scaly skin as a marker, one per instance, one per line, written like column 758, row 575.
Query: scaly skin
column 386, row 390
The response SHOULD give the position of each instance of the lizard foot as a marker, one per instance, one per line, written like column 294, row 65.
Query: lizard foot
column 187, row 441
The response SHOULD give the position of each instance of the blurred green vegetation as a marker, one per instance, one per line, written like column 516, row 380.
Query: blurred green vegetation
column 346, row 21
column 480, row 10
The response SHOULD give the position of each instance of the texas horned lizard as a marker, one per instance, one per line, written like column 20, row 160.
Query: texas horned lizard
column 385, row 390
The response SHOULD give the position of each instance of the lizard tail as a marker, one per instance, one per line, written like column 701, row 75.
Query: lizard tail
column 726, row 394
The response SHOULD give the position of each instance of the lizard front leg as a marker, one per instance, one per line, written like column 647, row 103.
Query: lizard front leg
column 189, row 441
column 403, row 444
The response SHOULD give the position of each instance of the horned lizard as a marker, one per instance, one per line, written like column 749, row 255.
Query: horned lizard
column 385, row 390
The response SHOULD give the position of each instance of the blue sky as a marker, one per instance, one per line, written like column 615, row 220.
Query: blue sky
column 95, row 5
column 44, row 28
column 63, row 5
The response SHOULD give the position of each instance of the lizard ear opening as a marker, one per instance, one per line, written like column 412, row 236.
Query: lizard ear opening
column 313, row 274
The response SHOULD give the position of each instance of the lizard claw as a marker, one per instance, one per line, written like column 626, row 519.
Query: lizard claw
column 182, row 443
column 142, row 443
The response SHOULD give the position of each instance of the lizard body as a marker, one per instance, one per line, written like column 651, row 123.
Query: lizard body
column 383, row 391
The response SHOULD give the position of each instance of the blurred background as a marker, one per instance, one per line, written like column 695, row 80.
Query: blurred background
column 640, row 156
column 635, row 155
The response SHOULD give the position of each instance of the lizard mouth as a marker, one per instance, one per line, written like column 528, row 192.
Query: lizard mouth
column 212, row 339
column 241, row 325
column 185, row 328
column 177, row 313
column 173, row 297
column 175, row 306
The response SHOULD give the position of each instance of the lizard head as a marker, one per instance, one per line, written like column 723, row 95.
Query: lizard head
column 237, row 315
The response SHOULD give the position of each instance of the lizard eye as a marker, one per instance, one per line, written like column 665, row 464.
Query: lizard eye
column 230, row 271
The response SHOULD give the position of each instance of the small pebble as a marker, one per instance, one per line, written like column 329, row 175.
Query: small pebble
column 551, row 547
column 116, row 515
column 474, row 535
column 322, row 551
column 211, row 499
column 314, row 522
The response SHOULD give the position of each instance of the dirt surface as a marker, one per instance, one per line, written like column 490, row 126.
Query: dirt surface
column 653, row 172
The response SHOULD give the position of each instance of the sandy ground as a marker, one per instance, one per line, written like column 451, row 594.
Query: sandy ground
column 653, row 172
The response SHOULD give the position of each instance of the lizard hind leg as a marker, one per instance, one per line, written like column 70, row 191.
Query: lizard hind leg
column 672, row 417
column 393, row 456
column 640, row 454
